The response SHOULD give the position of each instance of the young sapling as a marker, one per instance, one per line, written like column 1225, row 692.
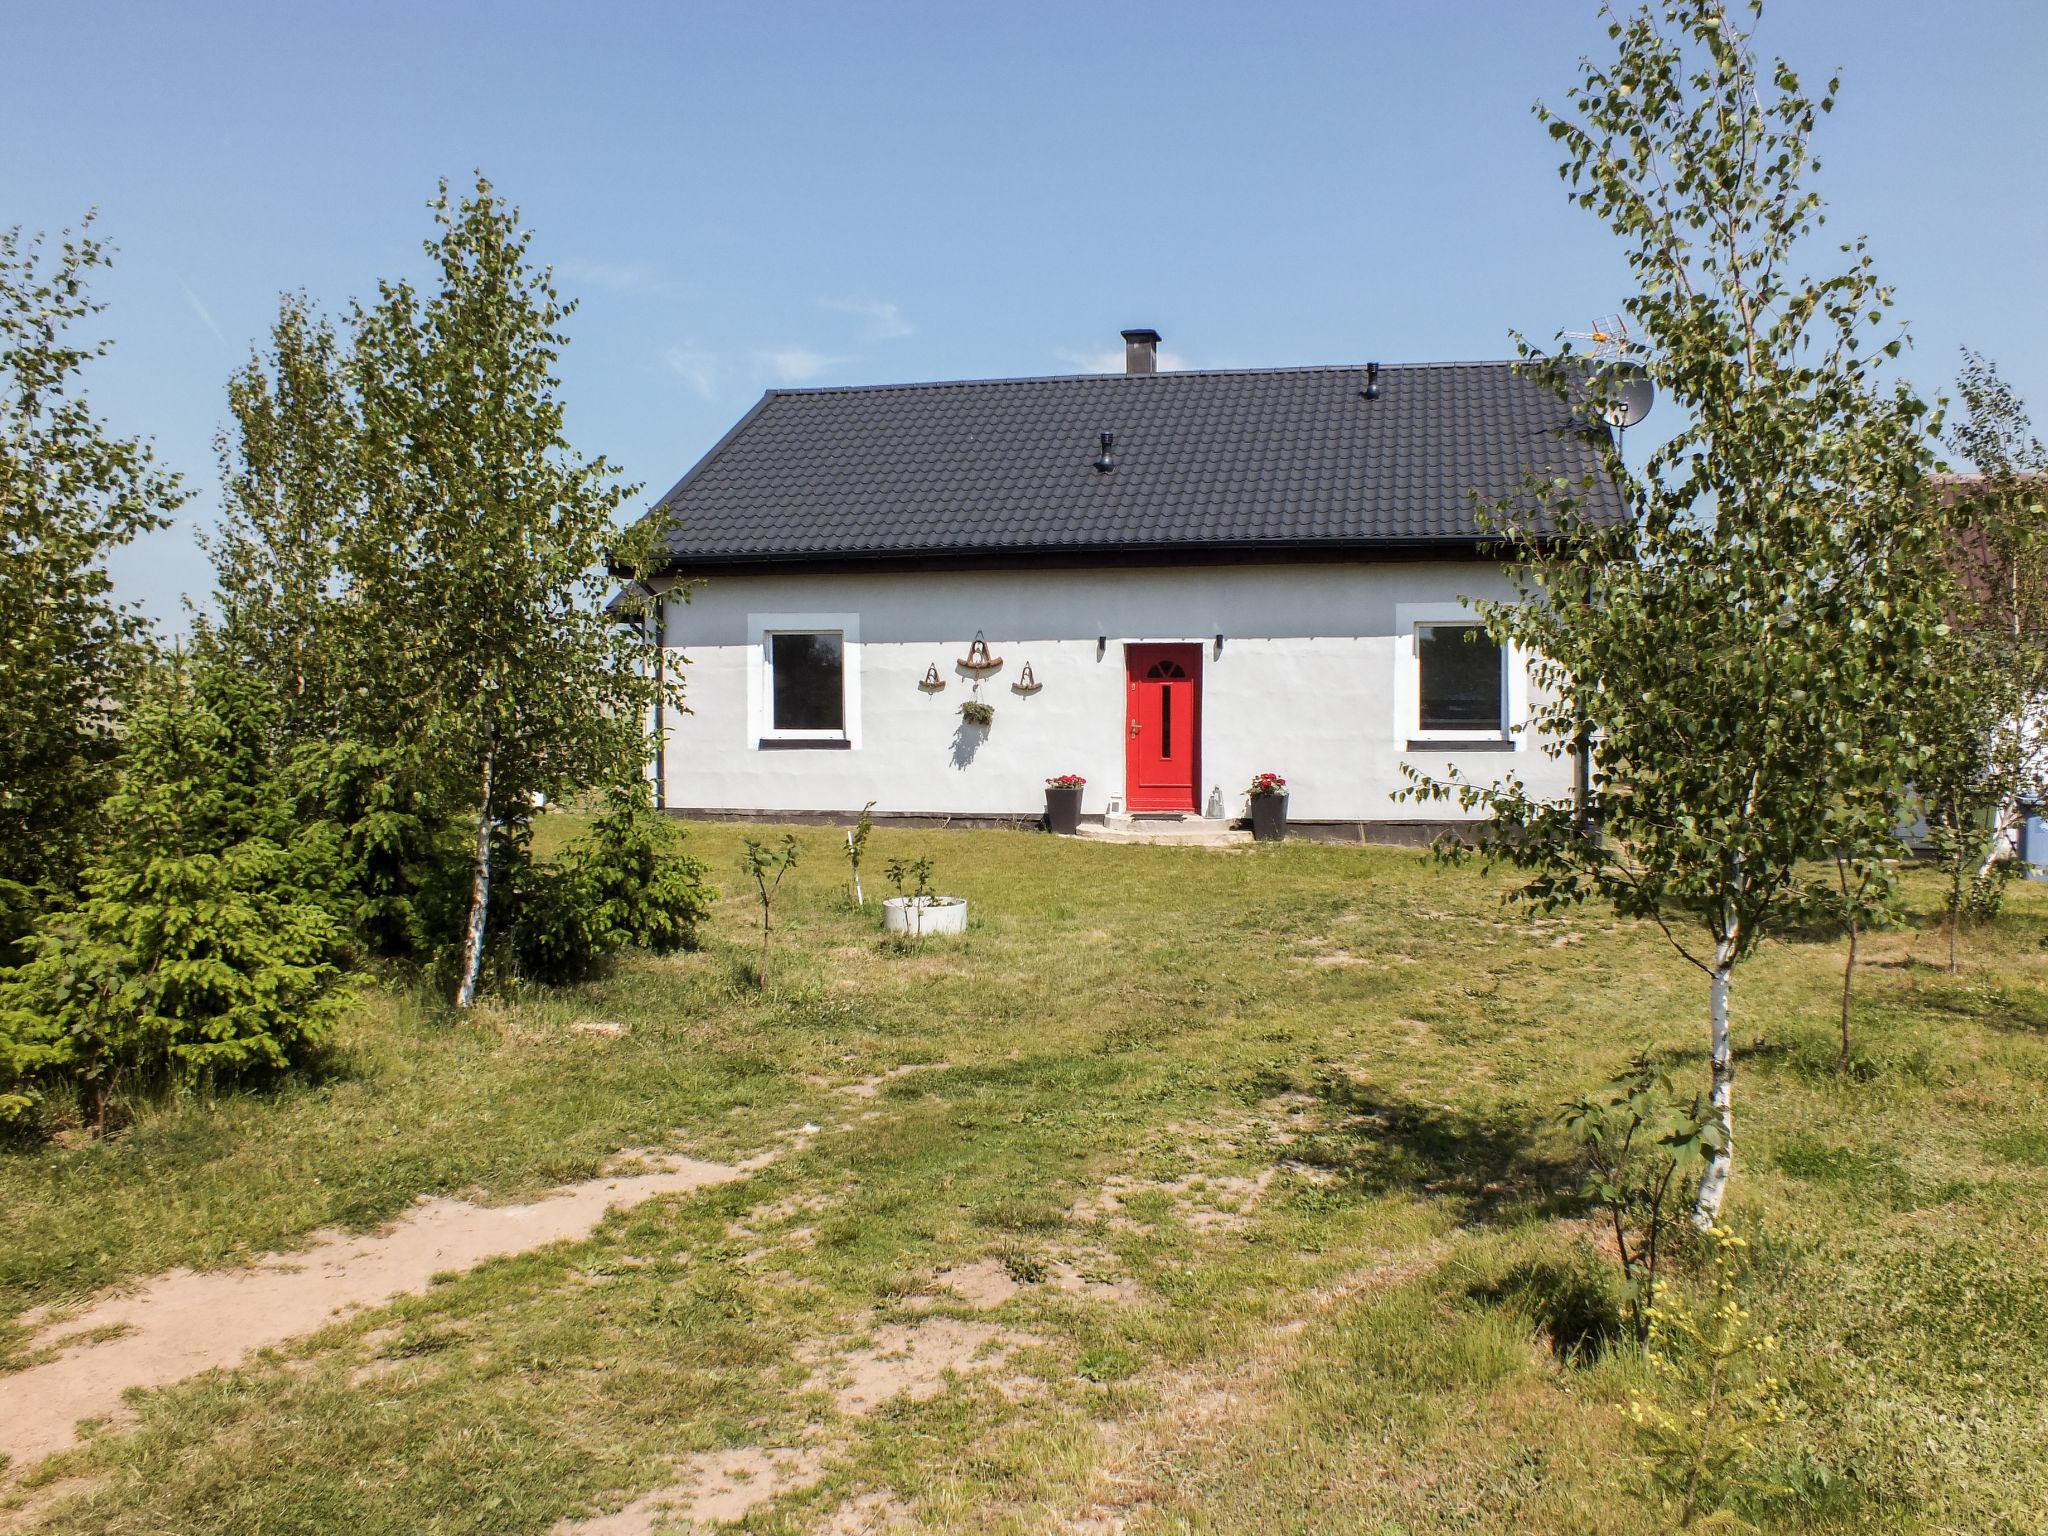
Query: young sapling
column 856, row 843
column 916, row 875
column 759, row 862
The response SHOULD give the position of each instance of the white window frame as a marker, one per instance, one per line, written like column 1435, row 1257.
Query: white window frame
column 762, row 628
column 1409, row 619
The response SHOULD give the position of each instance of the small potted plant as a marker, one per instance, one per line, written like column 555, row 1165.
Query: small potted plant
column 1268, row 797
column 1063, row 803
column 914, row 909
column 975, row 712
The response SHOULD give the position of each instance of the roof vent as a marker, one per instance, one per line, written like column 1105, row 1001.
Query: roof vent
column 1372, row 382
column 1141, row 351
column 1106, row 461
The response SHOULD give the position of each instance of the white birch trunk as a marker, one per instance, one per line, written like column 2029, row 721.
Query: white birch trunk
column 1706, row 1210
column 479, row 899
column 2003, row 824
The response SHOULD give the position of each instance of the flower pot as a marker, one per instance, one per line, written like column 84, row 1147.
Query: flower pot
column 919, row 916
column 1063, row 811
column 1269, row 818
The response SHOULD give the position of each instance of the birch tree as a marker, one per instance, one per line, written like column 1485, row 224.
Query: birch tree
column 1984, row 703
column 484, row 550
column 293, row 505
column 71, row 491
column 1738, row 645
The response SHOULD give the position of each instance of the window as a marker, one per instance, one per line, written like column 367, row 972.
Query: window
column 807, row 682
column 1461, row 683
column 803, row 682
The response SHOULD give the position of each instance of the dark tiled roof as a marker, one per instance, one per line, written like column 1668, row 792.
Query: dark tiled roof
column 1265, row 459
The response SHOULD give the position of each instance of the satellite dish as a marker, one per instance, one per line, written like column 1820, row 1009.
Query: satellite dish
column 1623, row 393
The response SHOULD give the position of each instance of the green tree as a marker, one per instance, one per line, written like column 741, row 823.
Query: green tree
column 1984, row 701
column 400, row 859
column 205, row 947
column 484, row 545
column 293, row 503
column 1739, row 646
column 71, row 491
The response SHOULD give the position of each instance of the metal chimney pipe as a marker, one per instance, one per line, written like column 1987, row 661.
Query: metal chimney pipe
column 1141, row 351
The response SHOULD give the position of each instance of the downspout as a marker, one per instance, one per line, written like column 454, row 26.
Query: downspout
column 660, row 705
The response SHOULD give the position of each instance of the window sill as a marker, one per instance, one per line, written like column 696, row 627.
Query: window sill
column 1460, row 744
column 804, row 744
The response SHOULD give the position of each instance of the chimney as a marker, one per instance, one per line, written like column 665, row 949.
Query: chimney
column 1141, row 351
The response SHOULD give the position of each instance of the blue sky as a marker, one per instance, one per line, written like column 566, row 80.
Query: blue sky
column 746, row 195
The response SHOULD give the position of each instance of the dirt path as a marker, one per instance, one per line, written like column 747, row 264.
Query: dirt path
column 181, row 1323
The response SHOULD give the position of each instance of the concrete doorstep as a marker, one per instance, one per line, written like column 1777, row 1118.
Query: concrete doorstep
column 1171, row 831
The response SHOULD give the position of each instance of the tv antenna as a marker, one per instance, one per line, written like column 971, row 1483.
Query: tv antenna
column 1618, row 382
column 1608, row 340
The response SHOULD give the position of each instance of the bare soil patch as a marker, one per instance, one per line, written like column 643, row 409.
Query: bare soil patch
column 982, row 1285
column 184, row 1322
column 714, row 1487
column 867, row 1514
column 988, row 1283
column 1205, row 1201
column 913, row 1362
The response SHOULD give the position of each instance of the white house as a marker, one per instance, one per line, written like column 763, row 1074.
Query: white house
column 1187, row 578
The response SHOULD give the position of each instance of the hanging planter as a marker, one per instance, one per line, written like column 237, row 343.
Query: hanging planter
column 975, row 712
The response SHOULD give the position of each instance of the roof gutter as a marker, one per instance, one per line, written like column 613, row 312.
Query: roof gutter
column 1069, row 557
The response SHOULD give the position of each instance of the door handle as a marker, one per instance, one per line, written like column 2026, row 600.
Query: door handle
column 1134, row 730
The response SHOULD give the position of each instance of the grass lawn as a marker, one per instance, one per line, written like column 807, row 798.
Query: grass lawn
column 1239, row 1169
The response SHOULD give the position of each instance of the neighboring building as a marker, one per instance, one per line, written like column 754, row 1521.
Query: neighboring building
column 1207, row 574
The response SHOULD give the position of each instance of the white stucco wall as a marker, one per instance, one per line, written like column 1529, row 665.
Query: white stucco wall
column 1314, row 681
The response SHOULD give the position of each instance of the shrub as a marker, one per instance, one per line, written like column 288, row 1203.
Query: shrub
column 1639, row 1144
column 626, row 884
column 650, row 893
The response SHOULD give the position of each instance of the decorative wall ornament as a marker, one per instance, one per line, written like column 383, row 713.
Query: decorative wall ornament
column 977, row 660
column 1026, row 683
column 931, row 682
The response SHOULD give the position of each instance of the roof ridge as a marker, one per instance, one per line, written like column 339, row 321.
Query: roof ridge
column 1164, row 373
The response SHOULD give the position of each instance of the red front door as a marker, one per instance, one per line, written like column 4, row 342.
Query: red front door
column 1163, row 727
